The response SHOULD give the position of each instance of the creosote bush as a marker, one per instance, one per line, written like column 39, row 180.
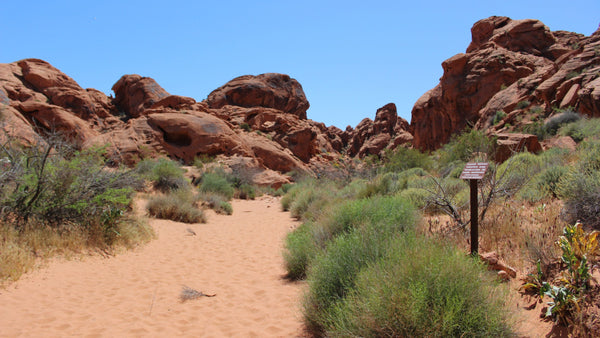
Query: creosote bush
column 55, row 198
column 178, row 205
column 421, row 288
column 165, row 175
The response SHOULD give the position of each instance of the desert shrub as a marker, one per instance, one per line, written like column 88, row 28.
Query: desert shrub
column 401, row 159
column 579, row 187
column 309, row 203
column 386, row 211
column 51, row 184
column 245, row 126
column 178, row 205
column 555, row 156
column 461, row 148
column 315, row 235
column 300, row 249
column 202, row 159
column 383, row 184
column 352, row 189
column 543, row 185
column 288, row 198
column 555, row 122
column 416, row 196
column 246, row 192
column 420, row 288
column 216, row 182
column 332, row 273
column 523, row 104
column 581, row 129
column 165, row 175
column 498, row 116
column 517, row 171
column 216, row 201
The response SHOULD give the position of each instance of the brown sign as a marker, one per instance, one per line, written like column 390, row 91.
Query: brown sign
column 474, row 170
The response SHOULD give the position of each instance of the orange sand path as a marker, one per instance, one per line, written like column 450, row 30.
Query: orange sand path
column 136, row 293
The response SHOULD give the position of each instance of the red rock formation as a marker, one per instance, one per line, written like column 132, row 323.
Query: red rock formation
column 269, row 90
column 509, row 143
column 371, row 137
column 134, row 94
column 512, row 66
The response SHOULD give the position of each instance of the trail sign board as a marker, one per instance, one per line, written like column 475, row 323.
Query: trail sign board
column 474, row 170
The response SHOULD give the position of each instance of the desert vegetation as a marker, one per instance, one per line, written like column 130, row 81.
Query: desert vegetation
column 384, row 254
column 57, row 199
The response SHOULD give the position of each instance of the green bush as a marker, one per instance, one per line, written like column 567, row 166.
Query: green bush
column 579, row 187
column 246, row 192
column 461, row 148
column 166, row 175
column 555, row 122
column 401, row 159
column 178, row 205
column 217, row 183
column 332, row 274
column 217, row 202
column 420, row 288
column 543, row 185
column 523, row 104
column 309, row 203
column 416, row 196
column 517, row 171
column 498, row 116
column 300, row 249
column 581, row 129
column 383, row 184
column 52, row 184
column 315, row 235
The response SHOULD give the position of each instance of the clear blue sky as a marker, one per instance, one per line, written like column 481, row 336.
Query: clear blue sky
column 351, row 57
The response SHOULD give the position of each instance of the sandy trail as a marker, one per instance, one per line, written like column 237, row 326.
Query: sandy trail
column 136, row 293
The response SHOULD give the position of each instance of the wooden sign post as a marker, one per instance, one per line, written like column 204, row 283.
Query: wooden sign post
column 474, row 171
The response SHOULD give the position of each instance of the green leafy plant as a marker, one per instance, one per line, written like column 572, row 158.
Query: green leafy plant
column 535, row 282
column 245, row 126
column 523, row 104
column 498, row 116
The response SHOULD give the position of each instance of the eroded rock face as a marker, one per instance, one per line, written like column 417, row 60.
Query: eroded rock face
column 134, row 94
column 508, row 144
column 513, row 66
column 271, row 90
column 387, row 131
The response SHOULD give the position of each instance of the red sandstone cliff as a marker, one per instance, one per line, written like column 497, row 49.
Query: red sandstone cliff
column 518, row 67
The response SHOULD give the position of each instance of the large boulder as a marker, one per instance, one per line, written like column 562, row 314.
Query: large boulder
column 186, row 136
column 507, row 144
column 271, row 90
column 38, row 81
column 134, row 94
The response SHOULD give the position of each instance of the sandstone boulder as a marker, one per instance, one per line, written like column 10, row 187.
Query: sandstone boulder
column 508, row 144
column 134, row 94
column 186, row 136
column 269, row 90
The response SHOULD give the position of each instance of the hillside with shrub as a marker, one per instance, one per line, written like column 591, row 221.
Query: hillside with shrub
column 385, row 253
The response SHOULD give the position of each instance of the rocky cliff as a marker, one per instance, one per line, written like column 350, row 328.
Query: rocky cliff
column 515, row 69
column 512, row 73
column 258, row 121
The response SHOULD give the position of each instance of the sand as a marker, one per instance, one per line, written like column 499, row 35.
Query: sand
column 136, row 293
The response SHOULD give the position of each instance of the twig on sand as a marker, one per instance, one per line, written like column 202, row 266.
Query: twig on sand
column 152, row 305
column 188, row 293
